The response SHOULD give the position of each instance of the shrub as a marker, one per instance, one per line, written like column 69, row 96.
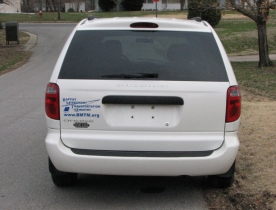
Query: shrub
column 132, row 5
column 206, row 10
column 212, row 16
column 70, row 10
column 193, row 9
column 106, row 5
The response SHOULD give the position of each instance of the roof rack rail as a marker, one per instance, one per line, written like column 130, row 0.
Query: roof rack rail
column 91, row 17
column 197, row 19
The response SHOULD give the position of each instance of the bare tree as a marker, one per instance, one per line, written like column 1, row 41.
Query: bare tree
column 92, row 2
column 117, row 2
column 2, row 2
column 258, row 11
column 54, row 5
column 75, row 4
column 27, row 5
column 182, row 3
column 48, row 6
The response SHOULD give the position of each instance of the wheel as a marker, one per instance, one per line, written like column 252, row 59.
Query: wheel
column 68, row 179
column 61, row 178
column 220, row 182
column 223, row 180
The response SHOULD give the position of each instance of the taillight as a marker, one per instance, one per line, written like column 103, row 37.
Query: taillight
column 143, row 25
column 233, row 108
column 52, row 101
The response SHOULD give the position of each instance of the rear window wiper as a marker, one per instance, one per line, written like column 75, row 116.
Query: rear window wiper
column 129, row 76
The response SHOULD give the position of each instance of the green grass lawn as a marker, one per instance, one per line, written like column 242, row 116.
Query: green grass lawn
column 261, row 82
column 239, row 36
column 78, row 16
column 11, row 56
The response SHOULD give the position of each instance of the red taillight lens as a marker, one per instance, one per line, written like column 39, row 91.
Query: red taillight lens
column 52, row 101
column 233, row 109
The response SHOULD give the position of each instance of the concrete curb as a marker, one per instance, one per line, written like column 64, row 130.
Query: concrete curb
column 248, row 58
column 31, row 43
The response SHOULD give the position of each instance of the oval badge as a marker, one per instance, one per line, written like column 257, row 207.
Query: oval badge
column 81, row 125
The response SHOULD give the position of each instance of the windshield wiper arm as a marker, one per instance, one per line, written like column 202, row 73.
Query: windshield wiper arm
column 129, row 76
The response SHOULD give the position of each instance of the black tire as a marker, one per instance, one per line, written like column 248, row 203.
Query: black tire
column 68, row 179
column 220, row 182
column 223, row 180
column 60, row 178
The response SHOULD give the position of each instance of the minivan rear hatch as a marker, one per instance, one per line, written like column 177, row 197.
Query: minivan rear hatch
column 143, row 91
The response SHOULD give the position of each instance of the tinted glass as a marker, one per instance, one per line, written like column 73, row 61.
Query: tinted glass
column 143, row 55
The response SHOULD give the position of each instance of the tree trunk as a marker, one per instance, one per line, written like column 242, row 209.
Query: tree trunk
column 48, row 6
column 24, row 6
column 40, row 6
column 58, row 9
column 263, row 45
column 92, row 2
column 28, row 4
column 117, row 2
column 78, row 6
column 54, row 5
column 182, row 3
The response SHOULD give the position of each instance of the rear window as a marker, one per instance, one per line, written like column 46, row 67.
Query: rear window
column 143, row 55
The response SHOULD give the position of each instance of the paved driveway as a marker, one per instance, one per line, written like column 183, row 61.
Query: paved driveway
column 25, row 181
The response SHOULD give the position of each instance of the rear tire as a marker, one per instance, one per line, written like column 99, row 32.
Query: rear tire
column 220, row 182
column 223, row 180
column 60, row 178
column 68, row 179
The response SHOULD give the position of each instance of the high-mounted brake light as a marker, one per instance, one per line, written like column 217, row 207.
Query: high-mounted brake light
column 52, row 101
column 233, row 108
column 143, row 25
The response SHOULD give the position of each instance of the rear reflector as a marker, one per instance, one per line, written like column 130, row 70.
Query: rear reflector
column 233, row 109
column 143, row 25
column 52, row 101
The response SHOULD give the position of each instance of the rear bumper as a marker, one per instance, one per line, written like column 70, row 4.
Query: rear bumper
column 218, row 162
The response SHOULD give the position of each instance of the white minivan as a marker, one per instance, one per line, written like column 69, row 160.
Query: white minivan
column 143, row 96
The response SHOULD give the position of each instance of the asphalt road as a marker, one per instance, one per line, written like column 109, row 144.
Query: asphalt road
column 25, row 182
